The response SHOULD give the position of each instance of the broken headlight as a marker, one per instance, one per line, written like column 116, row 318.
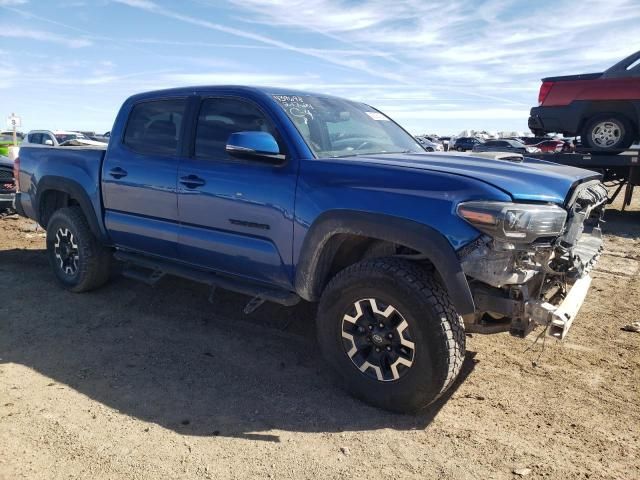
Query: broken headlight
column 514, row 222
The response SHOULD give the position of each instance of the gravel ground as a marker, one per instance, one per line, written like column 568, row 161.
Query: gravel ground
column 139, row 382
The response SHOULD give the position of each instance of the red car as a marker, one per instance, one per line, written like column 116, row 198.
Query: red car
column 602, row 108
column 553, row 146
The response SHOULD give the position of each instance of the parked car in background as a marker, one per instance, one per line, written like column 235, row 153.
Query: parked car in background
column 446, row 142
column 463, row 144
column 9, row 133
column 602, row 108
column 7, row 183
column 553, row 146
column 58, row 138
column 531, row 140
column 505, row 145
column 429, row 145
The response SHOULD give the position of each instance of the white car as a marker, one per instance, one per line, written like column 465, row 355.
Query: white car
column 430, row 146
column 58, row 138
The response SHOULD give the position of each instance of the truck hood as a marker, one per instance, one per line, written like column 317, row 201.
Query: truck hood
column 529, row 179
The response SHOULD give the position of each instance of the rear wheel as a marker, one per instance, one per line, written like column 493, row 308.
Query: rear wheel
column 78, row 260
column 388, row 328
column 606, row 133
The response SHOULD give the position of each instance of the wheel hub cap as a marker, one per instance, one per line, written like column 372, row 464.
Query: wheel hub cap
column 606, row 134
column 376, row 338
column 66, row 251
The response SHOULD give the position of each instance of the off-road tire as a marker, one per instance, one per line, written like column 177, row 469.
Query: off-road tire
column 93, row 259
column 624, row 126
column 436, row 330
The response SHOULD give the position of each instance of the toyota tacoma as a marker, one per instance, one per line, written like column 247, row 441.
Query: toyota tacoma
column 290, row 196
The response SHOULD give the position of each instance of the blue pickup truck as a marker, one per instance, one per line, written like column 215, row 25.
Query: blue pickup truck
column 289, row 196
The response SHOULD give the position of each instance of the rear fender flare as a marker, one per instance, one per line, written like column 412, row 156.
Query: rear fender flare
column 318, row 250
column 75, row 191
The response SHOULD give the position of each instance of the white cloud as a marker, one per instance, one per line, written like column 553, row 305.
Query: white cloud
column 426, row 112
column 5, row 3
column 11, row 31
column 230, row 78
column 354, row 64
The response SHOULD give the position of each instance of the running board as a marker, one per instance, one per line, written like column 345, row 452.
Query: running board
column 159, row 268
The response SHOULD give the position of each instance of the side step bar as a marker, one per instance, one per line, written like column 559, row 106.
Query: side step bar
column 159, row 268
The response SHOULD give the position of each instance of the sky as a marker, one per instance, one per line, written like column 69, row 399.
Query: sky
column 434, row 66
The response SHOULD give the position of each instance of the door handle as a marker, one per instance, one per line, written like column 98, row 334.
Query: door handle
column 192, row 181
column 117, row 172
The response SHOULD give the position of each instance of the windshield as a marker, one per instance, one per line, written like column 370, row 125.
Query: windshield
column 333, row 127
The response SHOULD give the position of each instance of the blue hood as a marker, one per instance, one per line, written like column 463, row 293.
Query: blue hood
column 529, row 180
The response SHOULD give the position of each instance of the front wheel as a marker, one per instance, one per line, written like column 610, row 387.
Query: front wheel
column 388, row 328
column 78, row 260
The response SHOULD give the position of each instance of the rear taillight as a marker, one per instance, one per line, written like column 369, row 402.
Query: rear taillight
column 16, row 172
column 545, row 88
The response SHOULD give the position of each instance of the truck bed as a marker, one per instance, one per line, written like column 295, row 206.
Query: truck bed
column 43, row 167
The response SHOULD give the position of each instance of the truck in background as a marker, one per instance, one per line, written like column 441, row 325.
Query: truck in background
column 602, row 108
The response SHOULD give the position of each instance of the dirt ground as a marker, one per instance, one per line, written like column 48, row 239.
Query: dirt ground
column 139, row 382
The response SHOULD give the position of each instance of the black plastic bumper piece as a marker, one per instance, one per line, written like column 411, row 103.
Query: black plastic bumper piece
column 563, row 119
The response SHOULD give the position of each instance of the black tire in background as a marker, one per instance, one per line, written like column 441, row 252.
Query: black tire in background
column 77, row 258
column 435, row 328
column 608, row 132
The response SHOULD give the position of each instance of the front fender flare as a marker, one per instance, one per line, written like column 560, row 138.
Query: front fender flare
column 317, row 251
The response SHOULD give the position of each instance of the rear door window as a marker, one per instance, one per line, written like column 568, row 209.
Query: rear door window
column 153, row 127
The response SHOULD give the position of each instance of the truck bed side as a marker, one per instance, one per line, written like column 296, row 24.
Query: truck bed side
column 49, row 176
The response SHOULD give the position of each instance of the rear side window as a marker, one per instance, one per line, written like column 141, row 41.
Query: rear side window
column 154, row 127
column 35, row 138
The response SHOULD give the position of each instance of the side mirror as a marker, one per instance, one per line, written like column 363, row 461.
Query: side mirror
column 254, row 146
column 49, row 142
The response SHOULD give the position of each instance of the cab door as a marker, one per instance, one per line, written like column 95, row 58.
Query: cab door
column 236, row 216
column 139, row 176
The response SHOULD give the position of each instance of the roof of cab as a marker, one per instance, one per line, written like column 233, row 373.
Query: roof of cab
column 263, row 91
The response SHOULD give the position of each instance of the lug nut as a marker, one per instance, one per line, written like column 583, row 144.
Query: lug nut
column 390, row 335
column 388, row 348
column 377, row 349
column 370, row 327
column 381, row 325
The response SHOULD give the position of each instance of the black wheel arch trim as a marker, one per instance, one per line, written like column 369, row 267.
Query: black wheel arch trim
column 318, row 251
column 75, row 191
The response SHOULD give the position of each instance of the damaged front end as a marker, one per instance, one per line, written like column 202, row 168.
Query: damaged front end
column 531, row 268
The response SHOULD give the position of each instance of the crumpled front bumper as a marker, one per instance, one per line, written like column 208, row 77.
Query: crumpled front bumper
column 558, row 319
